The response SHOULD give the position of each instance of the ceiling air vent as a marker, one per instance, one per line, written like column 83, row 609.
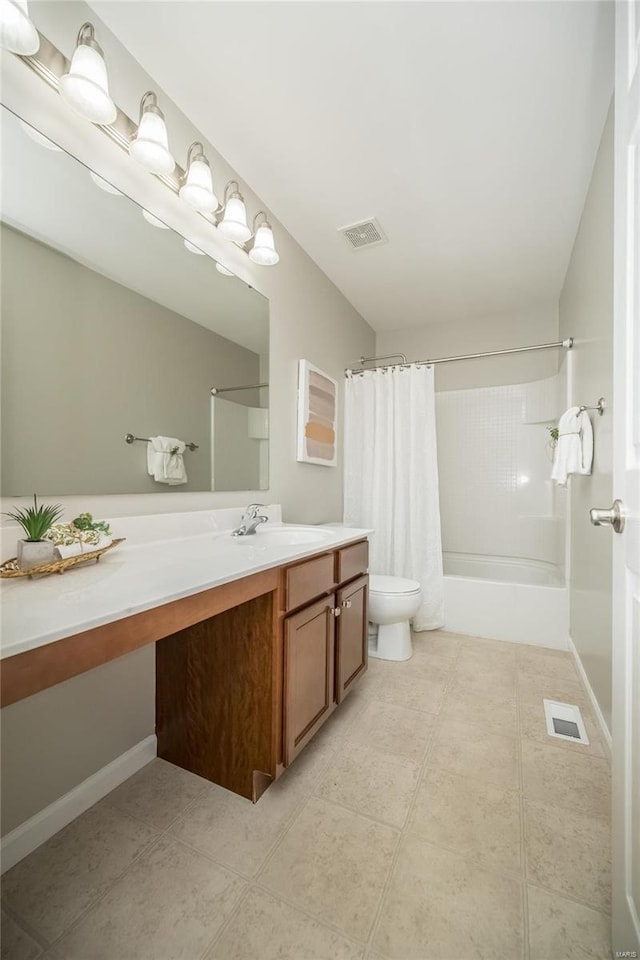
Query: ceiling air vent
column 365, row 234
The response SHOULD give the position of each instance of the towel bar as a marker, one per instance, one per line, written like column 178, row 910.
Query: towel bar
column 129, row 438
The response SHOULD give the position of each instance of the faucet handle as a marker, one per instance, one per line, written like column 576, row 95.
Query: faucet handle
column 252, row 510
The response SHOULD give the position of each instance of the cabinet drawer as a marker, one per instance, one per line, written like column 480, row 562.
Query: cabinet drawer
column 352, row 561
column 308, row 580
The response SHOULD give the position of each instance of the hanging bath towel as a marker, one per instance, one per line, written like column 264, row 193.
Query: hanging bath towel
column 574, row 449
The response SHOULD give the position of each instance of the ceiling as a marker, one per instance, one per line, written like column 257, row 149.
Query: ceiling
column 50, row 196
column 469, row 129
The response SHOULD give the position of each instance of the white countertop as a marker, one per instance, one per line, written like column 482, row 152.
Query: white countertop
column 139, row 576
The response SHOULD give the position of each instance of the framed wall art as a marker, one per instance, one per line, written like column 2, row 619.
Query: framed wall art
column 317, row 416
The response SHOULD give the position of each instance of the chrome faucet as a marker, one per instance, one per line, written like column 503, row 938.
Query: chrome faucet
column 250, row 520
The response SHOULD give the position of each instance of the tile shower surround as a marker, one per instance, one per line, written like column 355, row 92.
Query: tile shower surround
column 430, row 818
column 497, row 438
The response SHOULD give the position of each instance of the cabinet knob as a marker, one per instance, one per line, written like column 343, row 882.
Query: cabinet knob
column 346, row 604
column 334, row 611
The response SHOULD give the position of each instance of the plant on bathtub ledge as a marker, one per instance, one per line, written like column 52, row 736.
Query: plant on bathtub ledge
column 36, row 521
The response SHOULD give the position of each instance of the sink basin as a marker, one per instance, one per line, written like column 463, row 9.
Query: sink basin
column 286, row 535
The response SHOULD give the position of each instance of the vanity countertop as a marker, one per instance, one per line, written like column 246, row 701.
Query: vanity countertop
column 140, row 576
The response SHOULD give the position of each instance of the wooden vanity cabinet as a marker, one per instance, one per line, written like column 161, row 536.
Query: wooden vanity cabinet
column 241, row 693
column 325, row 643
column 246, row 671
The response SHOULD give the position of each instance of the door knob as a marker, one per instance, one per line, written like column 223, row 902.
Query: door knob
column 614, row 516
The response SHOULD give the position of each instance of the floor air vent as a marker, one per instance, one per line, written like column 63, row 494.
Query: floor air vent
column 564, row 720
column 365, row 234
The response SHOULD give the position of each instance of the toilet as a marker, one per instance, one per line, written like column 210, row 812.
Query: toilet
column 393, row 601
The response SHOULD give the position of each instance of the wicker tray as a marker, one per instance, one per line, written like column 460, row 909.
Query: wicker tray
column 10, row 567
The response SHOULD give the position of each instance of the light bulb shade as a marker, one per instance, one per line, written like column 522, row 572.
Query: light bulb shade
column 264, row 250
column 17, row 32
column 105, row 185
column 39, row 138
column 86, row 87
column 224, row 271
column 233, row 225
column 197, row 189
column 191, row 247
column 150, row 146
column 154, row 221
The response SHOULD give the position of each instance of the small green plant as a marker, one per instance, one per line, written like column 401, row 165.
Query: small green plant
column 36, row 520
column 86, row 522
column 554, row 433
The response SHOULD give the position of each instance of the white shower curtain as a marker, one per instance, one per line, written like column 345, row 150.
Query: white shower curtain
column 391, row 478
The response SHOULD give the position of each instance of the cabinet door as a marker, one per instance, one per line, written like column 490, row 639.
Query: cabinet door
column 352, row 641
column 309, row 672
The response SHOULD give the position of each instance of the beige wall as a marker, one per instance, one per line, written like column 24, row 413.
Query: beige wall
column 107, row 361
column 55, row 739
column 309, row 319
column 586, row 313
column 534, row 325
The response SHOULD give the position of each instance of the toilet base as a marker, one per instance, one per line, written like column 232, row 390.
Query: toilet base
column 394, row 642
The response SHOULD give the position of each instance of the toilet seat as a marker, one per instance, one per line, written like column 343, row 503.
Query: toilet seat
column 393, row 586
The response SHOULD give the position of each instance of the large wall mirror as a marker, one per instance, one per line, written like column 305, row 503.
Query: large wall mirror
column 112, row 326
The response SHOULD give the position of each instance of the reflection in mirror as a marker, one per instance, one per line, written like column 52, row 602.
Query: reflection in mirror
column 239, row 442
column 112, row 326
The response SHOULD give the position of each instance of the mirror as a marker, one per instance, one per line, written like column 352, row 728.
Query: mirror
column 111, row 326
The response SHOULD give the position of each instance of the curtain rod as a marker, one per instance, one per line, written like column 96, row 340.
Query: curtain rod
column 567, row 344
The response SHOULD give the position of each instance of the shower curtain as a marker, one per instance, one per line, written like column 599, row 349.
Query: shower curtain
column 391, row 478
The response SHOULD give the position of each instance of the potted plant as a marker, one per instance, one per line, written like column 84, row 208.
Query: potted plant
column 34, row 550
column 552, row 443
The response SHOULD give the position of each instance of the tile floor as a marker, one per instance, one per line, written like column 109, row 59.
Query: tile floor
column 430, row 819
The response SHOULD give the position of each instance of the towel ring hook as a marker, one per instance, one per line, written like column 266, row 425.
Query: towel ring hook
column 600, row 406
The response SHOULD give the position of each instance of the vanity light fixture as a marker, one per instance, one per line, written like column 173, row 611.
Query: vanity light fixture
column 223, row 270
column 17, row 32
column 191, row 247
column 40, row 138
column 105, row 185
column 197, row 187
column 150, row 145
column 85, row 88
column 263, row 250
column 154, row 221
column 233, row 225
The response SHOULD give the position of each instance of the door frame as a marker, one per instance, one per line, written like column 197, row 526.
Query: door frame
column 626, row 486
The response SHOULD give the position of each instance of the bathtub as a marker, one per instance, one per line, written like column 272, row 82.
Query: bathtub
column 504, row 598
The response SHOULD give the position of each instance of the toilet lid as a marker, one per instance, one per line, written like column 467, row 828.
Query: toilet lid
column 392, row 585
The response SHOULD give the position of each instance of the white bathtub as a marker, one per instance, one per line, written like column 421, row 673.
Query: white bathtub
column 521, row 600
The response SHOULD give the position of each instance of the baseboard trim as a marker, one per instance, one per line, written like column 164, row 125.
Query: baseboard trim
column 35, row 831
column 604, row 729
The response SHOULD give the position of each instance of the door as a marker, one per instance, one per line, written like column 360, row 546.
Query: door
column 626, row 485
column 309, row 677
column 351, row 641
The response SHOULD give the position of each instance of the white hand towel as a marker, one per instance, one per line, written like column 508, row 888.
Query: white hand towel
column 72, row 550
column 165, row 460
column 574, row 449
